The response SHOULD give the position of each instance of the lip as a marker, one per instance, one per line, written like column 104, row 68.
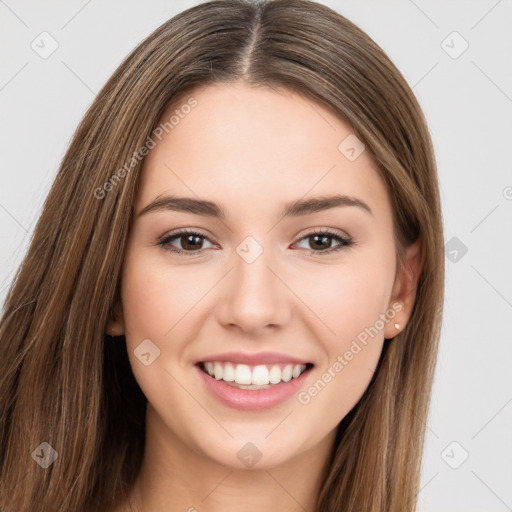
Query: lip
column 252, row 359
column 255, row 399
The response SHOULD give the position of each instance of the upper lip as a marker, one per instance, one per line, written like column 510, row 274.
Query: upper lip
column 252, row 359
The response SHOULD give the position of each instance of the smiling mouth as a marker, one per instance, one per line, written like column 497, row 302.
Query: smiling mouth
column 260, row 376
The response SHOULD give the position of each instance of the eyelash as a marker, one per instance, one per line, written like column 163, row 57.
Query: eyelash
column 165, row 241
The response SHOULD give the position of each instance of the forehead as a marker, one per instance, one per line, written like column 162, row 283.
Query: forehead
column 264, row 145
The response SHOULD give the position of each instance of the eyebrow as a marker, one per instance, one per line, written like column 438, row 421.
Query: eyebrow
column 296, row 208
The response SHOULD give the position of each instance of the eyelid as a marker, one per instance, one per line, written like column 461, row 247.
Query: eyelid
column 325, row 230
column 192, row 231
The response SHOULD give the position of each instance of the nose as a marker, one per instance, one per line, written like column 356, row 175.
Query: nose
column 254, row 298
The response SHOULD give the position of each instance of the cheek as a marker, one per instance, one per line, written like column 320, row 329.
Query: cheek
column 155, row 305
column 155, row 296
column 346, row 299
column 144, row 304
column 350, row 302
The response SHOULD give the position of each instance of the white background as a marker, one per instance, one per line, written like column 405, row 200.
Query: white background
column 468, row 104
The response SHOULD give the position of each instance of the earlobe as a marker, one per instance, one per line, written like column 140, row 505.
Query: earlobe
column 115, row 327
column 393, row 327
column 404, row 290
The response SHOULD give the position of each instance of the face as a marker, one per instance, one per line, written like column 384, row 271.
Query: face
column 291, row 300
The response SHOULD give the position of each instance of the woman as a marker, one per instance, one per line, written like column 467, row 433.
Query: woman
column 232, row 296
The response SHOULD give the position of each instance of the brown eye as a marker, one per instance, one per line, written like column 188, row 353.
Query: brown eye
column 321, row 241
column 190, row 242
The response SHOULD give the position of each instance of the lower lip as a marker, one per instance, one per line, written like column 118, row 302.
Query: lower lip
column 255, row 399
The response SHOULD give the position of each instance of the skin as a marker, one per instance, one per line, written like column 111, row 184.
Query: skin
column 250, row 150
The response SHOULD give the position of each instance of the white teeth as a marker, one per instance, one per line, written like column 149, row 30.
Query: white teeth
column 209, row 368
column 229, row 373
column 275, row 375
column 287, row 373
column 217, row 371
column 260, row 375
column 242, row 374
column 296, row 371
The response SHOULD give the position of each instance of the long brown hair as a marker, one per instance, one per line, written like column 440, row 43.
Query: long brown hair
column 66, row 383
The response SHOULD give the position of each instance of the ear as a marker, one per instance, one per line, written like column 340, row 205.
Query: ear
column 115, row 326
column 404, row 291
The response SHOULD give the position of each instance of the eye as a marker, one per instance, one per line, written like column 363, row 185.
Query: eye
column 322, row 239
column 190, row 240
